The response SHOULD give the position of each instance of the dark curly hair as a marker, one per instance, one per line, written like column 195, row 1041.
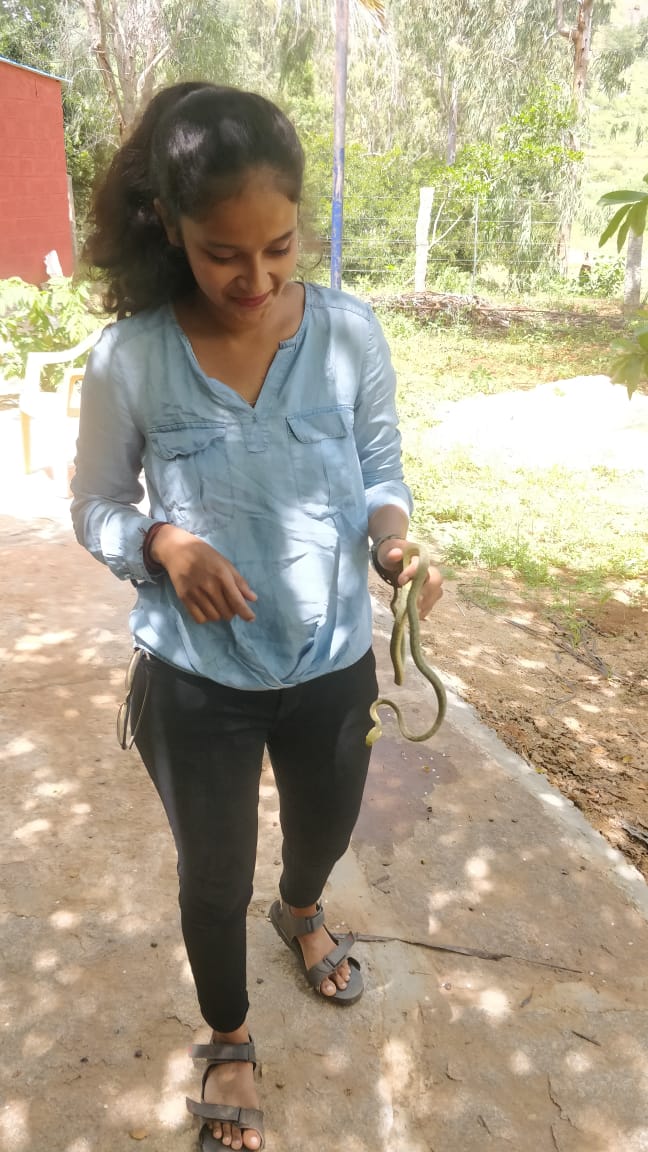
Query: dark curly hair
column 194, row 145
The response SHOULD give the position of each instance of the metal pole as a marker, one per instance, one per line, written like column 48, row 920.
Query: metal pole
column 339, row 123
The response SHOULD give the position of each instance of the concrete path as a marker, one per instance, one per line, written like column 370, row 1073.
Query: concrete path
column 459, row 846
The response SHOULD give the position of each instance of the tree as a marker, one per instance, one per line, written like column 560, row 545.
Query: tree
column 631, row 214
column 130, row 40
column 431, row 82
column 579, row 34
column 29, row 32
column 465, row 65
column 629, row 223
column 621, row 47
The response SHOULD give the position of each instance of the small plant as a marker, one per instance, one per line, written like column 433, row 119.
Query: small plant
column 482, row 380
column 45, row 319
column 631, row 364
column 603, row 278
column 631, row 213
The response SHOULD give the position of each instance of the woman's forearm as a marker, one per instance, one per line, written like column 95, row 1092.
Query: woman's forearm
column 390, row 520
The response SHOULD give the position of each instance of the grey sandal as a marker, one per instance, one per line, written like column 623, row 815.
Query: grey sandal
column 290, row 928
column 245, row 1118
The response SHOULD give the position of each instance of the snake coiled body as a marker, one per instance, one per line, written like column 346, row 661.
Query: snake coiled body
column 403, row 606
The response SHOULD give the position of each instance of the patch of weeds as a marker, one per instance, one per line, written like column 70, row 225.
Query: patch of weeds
column 481, row 592
column 573, row 597
column 603, row 472
column 447, row 362
column 453, row 514
column 460, row 553
column 516, row 555
column 482, row 380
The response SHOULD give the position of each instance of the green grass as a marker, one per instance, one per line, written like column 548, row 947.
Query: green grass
column 536, row 523
column 565, row 534
column 437, row 362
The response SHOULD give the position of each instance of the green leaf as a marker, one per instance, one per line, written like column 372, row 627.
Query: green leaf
column 628, row 371
column 637, row 217
column 642, row 340
column 625, row 196
column 622, row 234
column 613, row 225
column 624, row 347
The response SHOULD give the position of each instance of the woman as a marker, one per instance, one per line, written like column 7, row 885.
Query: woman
column 262, row 411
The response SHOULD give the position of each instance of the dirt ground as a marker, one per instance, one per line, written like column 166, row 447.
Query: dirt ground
column 503, row 942
column 578, row 714
column 570, row 699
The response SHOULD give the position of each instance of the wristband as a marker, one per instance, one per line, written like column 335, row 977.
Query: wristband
column 390, row 577
column 152, row 566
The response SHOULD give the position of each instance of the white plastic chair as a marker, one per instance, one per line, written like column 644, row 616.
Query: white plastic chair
column 57, row 411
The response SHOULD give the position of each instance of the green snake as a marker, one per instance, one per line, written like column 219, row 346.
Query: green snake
column 404, row 609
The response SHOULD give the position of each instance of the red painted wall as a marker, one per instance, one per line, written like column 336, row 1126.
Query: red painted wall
column 34, row 212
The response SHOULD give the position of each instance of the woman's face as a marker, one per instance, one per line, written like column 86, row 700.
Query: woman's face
column 243, row 251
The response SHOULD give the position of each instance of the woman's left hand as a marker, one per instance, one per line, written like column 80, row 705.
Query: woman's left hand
column 390, row 556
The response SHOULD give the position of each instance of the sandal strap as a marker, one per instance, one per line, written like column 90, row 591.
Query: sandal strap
column 221, row 1053
column 324, row 968
column 244, row 1117
column 302, row 925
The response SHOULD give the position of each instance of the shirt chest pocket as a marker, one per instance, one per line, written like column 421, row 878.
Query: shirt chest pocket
column 324, row 458
column 191, row 473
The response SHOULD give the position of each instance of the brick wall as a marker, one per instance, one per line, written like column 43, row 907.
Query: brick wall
column 34, row 213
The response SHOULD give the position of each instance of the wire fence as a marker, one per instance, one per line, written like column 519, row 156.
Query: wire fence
column 448, row 243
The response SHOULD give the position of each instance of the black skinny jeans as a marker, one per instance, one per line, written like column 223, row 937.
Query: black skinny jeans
column 202, row 744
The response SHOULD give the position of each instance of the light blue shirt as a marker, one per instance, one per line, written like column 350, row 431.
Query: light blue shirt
column 283, row 489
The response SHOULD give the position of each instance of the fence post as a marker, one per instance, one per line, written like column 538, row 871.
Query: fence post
column 475, row 243
column 426, row 198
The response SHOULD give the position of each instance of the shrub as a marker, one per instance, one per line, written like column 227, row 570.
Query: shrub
column 45, row 319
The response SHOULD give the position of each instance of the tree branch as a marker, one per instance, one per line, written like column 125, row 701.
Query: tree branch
column 120, row 36
column 438, row 239
column 152, row 64
column 97, row 24
column 563, row 28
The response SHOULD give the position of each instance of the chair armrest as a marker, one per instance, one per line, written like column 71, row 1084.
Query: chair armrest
column 30, row 391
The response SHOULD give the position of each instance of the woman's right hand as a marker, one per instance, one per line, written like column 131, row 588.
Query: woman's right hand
column 207, row 584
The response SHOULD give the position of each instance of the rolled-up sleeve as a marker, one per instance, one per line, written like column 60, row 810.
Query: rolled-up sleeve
column 376, row 428
column 106, row 485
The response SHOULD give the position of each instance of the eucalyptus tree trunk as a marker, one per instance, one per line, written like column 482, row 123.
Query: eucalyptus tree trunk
column 579, row 35
column 453, row 123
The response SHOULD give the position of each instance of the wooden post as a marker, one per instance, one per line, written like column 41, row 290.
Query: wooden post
column 426, row 199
